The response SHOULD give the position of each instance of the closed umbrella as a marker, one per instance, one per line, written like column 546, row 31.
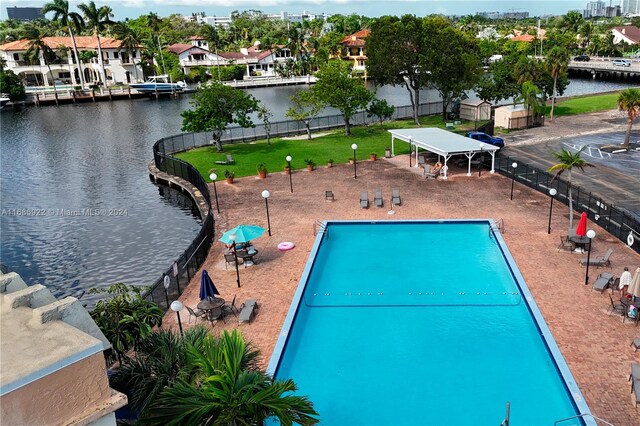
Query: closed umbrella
column 243, row 233
column 208, row 289
column 581, row 230
column 634, row 287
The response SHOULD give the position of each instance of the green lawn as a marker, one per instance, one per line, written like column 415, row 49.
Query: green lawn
column 585, row 104
column 335, row 146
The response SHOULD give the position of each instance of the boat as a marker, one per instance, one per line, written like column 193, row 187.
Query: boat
column 158, row 84
column 3, row 100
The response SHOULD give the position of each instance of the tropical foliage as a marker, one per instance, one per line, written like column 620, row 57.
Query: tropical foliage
column 629, row 102
column 381, row 109
column 566, row 162
column 304, row 107
column 557, row 62
column 11, row 84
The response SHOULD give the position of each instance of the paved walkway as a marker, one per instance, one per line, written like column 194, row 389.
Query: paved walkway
column 595, row 344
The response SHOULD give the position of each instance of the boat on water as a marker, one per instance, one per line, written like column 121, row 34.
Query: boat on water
column 158, row 84
column 4, row 100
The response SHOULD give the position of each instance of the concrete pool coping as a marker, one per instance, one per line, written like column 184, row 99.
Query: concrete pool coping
column 573, row 391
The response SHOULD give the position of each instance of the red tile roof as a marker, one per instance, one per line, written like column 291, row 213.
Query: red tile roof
column 197, row 38
column 629, row 31
column 524, row 37
column 356, row 39
column 82, row 42
column 178, row 48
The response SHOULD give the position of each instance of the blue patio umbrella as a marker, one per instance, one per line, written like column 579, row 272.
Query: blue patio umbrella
column 243, row 233
column 208, row 289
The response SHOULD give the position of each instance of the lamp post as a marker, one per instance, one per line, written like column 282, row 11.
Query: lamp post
column 176, row 306
column 513, row 177
column 166, row 283
column 265, row 195
column 552, row 194
column 288, row 158
column 355, row 170
column 213, row 178
column 235, row 256
column 480, row 162
column 591, row 234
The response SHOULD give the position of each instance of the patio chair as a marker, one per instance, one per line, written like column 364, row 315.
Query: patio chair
column 598, row 261
column 615, row 286
column 616, row 307
column 328, row 196
column 197, row 313
column 228, row 161
column 364, row 200
column 432, row 173
column 603, row 280
column 229, row 258
column 395, row 197
column 634, row 378
column 421, row 161
column 636, row 344
column 377, row 198
column 247, row 314
column 565, row 244
column 230, row 309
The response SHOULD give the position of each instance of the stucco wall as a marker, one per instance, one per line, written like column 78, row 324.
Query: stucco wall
column 58, row 397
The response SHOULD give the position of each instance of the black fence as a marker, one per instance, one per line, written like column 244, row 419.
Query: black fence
column 614, row 220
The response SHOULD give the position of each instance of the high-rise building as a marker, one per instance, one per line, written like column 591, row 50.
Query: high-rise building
column 630, row 7
column 25, row 13
column 594, row 9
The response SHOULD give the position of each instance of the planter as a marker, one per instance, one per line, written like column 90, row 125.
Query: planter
column 387, row 153
column 310, row 168
column 329, row 165
column 373, row 157
column 351, row 161
column 262, row 174
column 287, row 171
column 229, row 180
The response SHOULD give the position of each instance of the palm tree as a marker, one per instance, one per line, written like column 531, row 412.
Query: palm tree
column 227, row 390
column 529, row 95
column 526, row 69
column 60, row 9
column 586, row 33
column 213, row 38
column 129, row 42
column 37, row 49
column 566, row 162
column 629, row 101
column 557, row 63
column 96, row 18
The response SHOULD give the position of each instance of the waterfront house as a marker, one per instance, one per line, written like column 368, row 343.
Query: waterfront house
column 629, row 34
column 53, row 369
column 353, row 49
column 119, row 66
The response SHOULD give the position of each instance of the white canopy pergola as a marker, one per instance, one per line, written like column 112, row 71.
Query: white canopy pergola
column 444, row 143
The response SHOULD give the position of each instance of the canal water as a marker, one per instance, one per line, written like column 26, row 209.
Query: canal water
column 77, row 207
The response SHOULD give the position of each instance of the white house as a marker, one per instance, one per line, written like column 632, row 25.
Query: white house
column 119, row 66
column 629, row 34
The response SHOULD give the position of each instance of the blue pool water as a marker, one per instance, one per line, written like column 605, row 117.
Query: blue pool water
column 421, row 323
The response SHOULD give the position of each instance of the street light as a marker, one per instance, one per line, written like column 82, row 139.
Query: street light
column 265, row 195
column 235, row 256
column 176, row 306
column 591, row 234
column 355, row 170
column 213, row 178
column 288, row 158
column 513, row 177
column 552, row 194
column 166, row 284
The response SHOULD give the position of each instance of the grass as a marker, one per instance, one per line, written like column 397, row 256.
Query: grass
column 335, row 146
column 585, row 104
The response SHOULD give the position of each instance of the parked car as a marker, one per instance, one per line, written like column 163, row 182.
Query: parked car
column 483, row 137
column 621, row 62
column 581, row 58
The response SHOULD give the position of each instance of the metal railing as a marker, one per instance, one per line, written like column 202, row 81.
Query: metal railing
column 582, row 416
column 617, row 221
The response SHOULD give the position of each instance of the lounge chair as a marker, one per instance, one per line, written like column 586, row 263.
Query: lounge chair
column 364, row 200
column 377, row 198
column 636, row 344
column 598, row 261
column 247, row 313
column 328, row 196
column 198, row 313
column 616, row 307
column 602, row 282
column 251, row 302
column 395, row 197
column 565, row 244
column 634, row 378
column 228, row 161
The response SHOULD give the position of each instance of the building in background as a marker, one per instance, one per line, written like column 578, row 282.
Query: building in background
column 594, row 9
column 226, row 21
column 353, row 50
column 630, row 7
column 629, row 34
column 506, row 15
column 25, row 13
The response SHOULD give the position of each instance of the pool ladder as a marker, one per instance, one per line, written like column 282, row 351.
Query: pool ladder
column 321, row 227
column 581, row 416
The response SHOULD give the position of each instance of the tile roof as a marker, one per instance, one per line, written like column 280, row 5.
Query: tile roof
column 629, row 31
column 356, row 39
column 82, row 42
column 524, row 37
column 178, row 48
column 197, row 38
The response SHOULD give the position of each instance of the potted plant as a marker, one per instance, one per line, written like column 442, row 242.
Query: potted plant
column 229, row 176
column 310, row 164
column 262, row 170
column 373, row 156
column 330, row 163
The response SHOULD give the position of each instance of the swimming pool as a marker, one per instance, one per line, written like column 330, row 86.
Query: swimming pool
column 421, row 322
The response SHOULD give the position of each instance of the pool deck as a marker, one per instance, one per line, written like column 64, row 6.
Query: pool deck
column 595, row 344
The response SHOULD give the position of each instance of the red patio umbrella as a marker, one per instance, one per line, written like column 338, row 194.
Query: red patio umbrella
column 581, row 230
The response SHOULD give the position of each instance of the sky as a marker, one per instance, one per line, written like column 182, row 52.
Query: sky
column 133, row 8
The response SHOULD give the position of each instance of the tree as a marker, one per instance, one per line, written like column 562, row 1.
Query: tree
column 381, row 109
column 566, row 162
column 215, row 107
column 213, row 38
column 336, row 88
column 38, row 48
column 226, row 391
column 11, row 84
column 126, row 318
column 96, row 18
column 557, row 62
column 71, row 20
column 629, row 101
column 403, row 40
column 304, row 107
column 530, row 96
column 265, row 115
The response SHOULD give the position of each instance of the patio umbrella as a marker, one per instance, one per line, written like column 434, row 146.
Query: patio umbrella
column 243, row 233
column 208, row 289
column 634, row 287
column 581, row 230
